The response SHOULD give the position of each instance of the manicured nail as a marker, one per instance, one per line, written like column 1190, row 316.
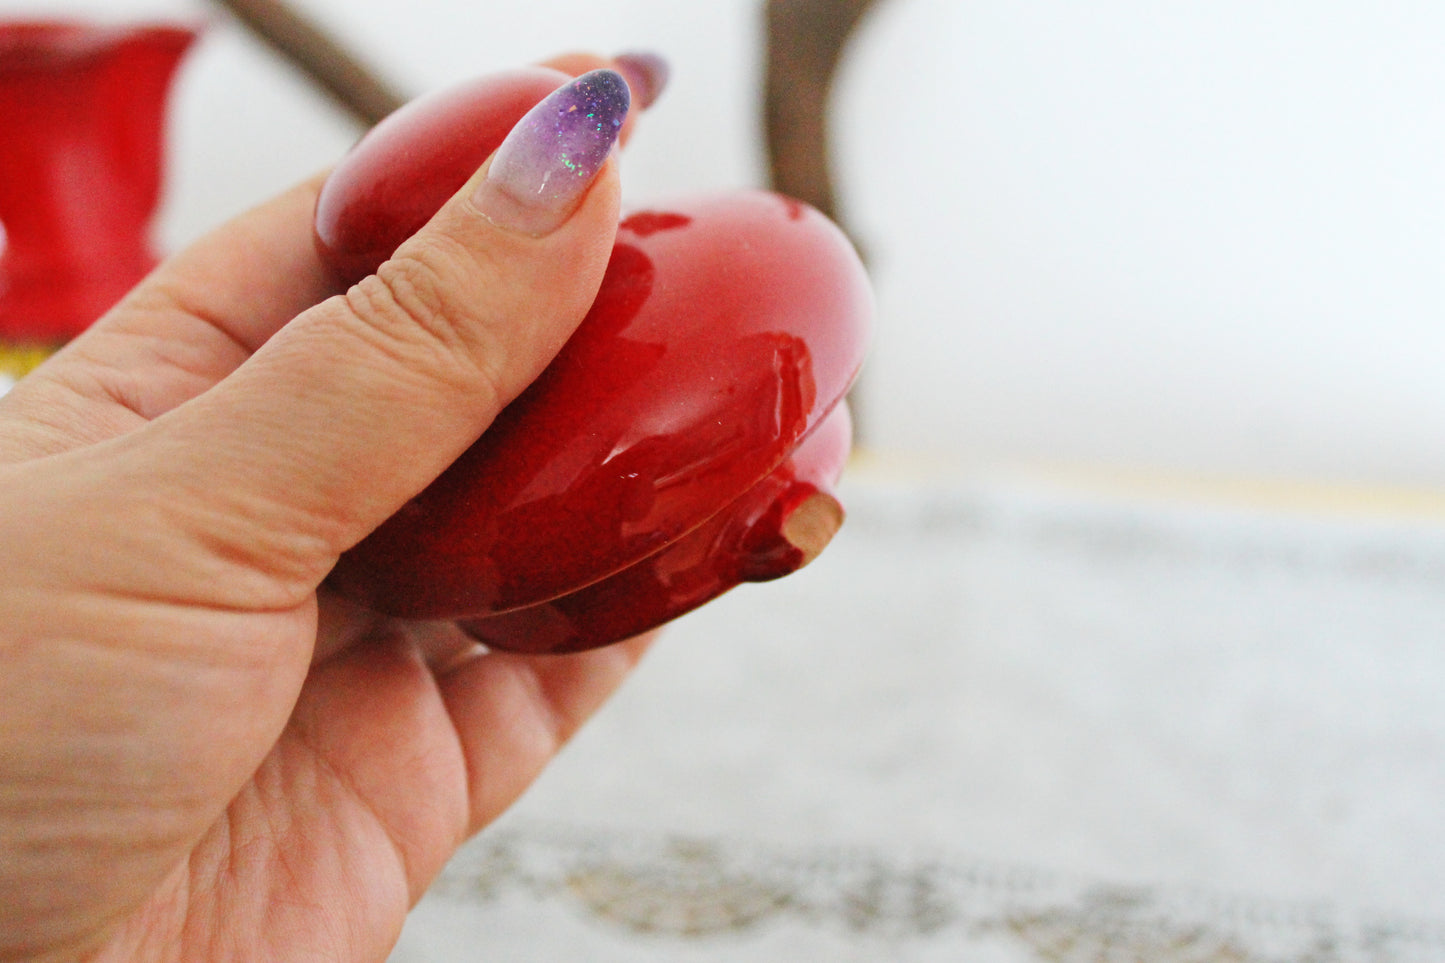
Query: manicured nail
column 647, row 74
column 539, row 174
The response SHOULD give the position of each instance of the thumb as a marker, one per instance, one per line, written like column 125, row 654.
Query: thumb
column 358, row 403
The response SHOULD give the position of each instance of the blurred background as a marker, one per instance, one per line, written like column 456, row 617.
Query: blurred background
column 1142, row 589
column 1187, row 237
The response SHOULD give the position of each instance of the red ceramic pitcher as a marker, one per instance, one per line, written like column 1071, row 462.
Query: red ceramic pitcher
column 82, row 118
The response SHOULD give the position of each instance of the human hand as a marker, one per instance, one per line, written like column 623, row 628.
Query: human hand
column 203, row 754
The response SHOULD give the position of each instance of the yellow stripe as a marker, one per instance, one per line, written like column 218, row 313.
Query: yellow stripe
column 17, row 360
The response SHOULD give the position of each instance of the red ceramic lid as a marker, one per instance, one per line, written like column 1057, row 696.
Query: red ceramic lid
column 726, row 328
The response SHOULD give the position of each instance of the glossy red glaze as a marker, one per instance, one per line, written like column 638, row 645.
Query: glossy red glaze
column 741, row 543
column 725, row 331
column 405, row 168
column 715, row 344
column 82, row 112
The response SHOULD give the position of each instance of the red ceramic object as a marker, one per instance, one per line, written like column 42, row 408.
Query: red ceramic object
column 773, row 529
column 405, row 168
column 657, row 461
column 82, row 111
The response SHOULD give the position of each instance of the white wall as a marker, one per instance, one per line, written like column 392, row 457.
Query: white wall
column 1193, row 236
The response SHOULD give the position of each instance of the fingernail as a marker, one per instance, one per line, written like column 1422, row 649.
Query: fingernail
column 539, row 174
column 647, row 74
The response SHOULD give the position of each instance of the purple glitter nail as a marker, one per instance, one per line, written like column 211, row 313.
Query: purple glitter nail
column 557, row 148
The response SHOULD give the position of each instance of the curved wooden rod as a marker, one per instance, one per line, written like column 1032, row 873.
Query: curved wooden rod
column 805, row 43
column 319, row 55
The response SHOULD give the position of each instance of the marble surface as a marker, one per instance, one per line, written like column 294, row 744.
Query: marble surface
column 1007, row 721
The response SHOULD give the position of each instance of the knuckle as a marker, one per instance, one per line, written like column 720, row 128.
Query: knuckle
column 421, row 308
column 408, row 298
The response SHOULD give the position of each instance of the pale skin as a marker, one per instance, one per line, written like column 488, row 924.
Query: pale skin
column 203, row 754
